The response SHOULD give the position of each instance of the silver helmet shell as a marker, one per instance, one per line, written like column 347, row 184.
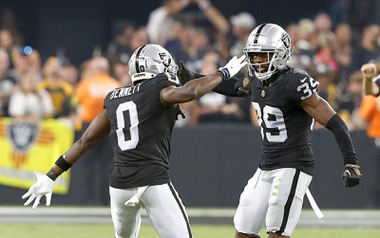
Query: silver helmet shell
column 149, row 60
column 271, row 39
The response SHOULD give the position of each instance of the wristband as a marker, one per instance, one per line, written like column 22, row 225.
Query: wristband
column 52, row 174
column 223, row 73
column 62, row 163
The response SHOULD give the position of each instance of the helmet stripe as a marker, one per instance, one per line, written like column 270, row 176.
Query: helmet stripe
column 137, row 59
column 258, row 33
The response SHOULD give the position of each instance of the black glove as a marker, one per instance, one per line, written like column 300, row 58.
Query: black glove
column 351, row 175
column 184, row 74
column 180, row 112
column 241, row 91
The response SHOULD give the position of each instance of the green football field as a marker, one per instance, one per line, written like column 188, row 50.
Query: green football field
column 147, row 231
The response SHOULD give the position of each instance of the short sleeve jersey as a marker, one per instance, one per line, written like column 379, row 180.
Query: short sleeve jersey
column 285, row 127
column 141, row 128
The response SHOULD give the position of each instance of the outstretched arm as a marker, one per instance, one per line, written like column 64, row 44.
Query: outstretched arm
column 196, row 88
column 321, row 111
column 233, row 87
column 97, row 130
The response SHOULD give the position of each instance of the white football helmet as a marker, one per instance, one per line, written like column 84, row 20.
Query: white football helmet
column 149, row 60
column 273, row 40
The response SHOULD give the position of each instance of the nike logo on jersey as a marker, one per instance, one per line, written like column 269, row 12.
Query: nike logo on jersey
column 303, row 80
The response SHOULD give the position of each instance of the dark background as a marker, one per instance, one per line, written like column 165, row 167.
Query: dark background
column 77, row 26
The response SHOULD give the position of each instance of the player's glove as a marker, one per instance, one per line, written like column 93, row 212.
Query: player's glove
column 232, row 67
column 351, row 175
column 43, row 187
column 184, row 74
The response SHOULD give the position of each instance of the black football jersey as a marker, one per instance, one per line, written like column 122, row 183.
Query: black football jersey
column 285, row 127
column 141, row 129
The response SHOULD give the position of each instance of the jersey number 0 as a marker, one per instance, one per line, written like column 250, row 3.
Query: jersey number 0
column 133, row 129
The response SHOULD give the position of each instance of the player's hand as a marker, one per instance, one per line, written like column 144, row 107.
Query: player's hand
column 184, row 74
column 351, row 175
column 232, row 67
column 369, row 70
column 241, row 90
column 43, row 187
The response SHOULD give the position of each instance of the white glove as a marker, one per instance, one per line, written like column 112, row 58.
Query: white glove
column 43, row 187
column 232, row 67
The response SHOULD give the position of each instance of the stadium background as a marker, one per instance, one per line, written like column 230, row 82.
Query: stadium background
column 209, row 168
column 78, row 26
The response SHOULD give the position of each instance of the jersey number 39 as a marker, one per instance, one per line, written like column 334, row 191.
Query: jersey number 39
column 271, row 122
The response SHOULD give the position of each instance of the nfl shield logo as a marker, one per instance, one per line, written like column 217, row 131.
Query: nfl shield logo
column 262, row 93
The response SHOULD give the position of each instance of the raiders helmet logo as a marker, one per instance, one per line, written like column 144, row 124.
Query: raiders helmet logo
column 166, row 60
column 286, row 40
column 22, row 135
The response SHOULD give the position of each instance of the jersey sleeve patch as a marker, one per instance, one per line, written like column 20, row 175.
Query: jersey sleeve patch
column 304, row 86
column 167, row 79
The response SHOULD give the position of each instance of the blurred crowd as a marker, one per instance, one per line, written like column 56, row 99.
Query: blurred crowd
column 193, row 31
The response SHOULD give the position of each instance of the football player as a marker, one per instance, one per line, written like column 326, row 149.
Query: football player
column 286, row 102
column 139, row 120
column 371, row 82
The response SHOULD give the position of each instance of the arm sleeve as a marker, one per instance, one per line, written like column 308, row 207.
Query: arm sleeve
column 227, row 87
column 343, row 138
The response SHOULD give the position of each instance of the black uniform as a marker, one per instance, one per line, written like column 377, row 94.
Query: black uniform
column 141, row 129
column 285, row 127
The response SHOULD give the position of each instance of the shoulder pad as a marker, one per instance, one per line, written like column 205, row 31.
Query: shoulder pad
column 167, row 79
